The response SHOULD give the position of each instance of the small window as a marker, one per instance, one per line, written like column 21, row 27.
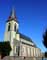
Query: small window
column 17, row 50
column 9, row 27
column 15, row 27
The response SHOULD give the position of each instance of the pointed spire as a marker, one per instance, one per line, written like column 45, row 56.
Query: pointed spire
column 12, row 15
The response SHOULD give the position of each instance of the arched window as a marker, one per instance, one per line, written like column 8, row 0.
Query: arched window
column 15, row 27
column 9, row 27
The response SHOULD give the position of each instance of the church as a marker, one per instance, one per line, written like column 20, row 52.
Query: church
column 21, row 45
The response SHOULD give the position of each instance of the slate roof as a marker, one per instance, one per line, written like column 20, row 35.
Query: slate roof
column 28, row 39
column 25, row 37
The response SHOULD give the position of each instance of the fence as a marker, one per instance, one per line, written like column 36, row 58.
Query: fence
column 22, row 58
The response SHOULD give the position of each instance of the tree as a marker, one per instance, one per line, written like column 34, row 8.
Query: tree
column 45, row 39
column 5, row 49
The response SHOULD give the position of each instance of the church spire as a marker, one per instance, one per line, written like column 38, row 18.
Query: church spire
column 12, row 15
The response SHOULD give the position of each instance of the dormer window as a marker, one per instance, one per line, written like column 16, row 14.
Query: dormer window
column 9, row 27
column 15, row 27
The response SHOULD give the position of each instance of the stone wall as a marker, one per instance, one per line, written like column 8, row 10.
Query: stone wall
column 29, row 51
column 21, row 58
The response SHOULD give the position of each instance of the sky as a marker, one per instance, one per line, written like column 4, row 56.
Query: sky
column 32, row 17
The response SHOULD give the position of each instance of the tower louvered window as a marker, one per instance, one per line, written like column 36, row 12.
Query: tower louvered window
column 15, row 27
column 9, row 27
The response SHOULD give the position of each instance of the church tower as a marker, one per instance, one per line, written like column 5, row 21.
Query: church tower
column 11, row 30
